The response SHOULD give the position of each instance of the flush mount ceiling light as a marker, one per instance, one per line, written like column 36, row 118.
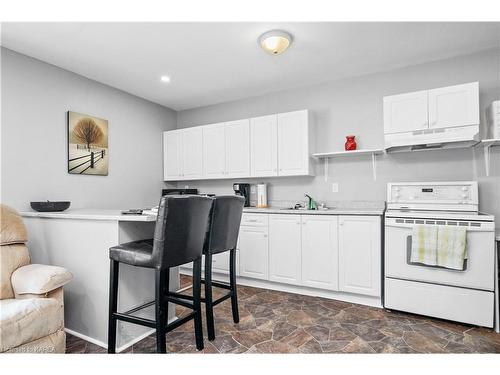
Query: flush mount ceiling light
column 165, row 79
column 275, row 42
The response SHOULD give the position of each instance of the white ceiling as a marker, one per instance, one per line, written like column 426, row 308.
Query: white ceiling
column 216, row 62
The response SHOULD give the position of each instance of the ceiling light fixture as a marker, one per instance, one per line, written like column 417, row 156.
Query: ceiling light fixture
column 165, row 79
column 275, row 42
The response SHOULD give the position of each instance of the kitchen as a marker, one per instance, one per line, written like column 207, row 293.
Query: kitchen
column 314, row 263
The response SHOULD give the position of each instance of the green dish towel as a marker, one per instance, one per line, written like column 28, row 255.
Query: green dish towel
column 424, row 245
column 451, row 247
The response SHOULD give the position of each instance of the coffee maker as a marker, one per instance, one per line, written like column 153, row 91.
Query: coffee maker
column 244, row 191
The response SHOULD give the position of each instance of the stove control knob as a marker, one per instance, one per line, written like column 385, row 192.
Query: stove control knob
column 465, row 188
column 464, row 195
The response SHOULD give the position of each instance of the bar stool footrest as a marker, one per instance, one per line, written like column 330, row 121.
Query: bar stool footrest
column 179, row 301
column 179, row 322
column 219, row 285
column 135, row 319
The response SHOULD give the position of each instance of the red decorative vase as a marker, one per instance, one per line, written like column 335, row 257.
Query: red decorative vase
column 350, row 144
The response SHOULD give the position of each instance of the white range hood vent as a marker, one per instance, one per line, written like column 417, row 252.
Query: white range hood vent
column 433, row 139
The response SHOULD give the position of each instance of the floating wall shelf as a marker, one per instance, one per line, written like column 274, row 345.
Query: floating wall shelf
column 487, row 144
column 327, row 155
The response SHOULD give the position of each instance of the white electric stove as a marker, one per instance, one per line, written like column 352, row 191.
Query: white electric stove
column 467, row 295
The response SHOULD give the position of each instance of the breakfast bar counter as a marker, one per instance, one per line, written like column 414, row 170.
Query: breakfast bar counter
column 79, row 240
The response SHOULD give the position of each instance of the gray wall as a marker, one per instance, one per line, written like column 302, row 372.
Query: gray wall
column 354, row 106
column 35, row 98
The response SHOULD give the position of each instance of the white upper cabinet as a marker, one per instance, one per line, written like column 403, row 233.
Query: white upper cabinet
column 192, row 153
column 360, row 254
column 264, row 146
column 172, row 168
column 293, row 143
column 320, row 251
column 241, row 149
column 214, row 151
column 432, row 109
column 238, row 148
column 285, row 248
column 454, row 106
column 406, row 112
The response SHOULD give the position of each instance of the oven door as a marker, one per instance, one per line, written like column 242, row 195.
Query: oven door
column 478, row 270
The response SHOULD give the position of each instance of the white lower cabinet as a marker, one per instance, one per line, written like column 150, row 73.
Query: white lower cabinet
column 360, row 254
column 254, row 252
column 285, row 249
column 331, row 252
column 320, row 251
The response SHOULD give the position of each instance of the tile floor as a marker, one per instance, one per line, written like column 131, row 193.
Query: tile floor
column 278, row 322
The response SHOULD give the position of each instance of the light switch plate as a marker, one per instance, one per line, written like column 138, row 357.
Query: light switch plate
column 335, row 187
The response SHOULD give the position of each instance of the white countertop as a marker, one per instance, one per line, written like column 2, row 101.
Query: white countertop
column 89, row 214
column 346, row 208
column 378, row 211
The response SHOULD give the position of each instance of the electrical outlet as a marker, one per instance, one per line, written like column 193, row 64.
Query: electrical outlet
column 335, row 187
column 186, row 186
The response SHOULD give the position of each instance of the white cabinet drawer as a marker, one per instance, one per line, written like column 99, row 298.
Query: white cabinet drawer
column 445, row 302
column 254, row 220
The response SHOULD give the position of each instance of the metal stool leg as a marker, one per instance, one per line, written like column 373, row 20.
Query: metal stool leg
column 113, row 305
column 160, row 314
column 232, row 283
column 209, row 306
column 198, row 329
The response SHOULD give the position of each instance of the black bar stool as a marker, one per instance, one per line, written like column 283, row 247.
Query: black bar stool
column 222, row 236
column 179, row 237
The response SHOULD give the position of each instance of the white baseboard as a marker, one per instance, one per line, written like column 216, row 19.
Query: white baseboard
column 105, row 345
column 86, row 338
column 307, row 291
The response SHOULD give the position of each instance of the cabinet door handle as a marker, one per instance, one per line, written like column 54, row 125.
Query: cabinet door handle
column 304, row 222
column 265, row 235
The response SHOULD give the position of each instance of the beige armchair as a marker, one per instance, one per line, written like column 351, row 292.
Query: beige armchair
column 31, row 295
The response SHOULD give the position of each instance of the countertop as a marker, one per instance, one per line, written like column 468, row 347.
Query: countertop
column 377, row 211
column 89, row 214
column 338, row 208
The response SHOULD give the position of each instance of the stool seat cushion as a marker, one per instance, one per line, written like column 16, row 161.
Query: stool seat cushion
column 136, row 253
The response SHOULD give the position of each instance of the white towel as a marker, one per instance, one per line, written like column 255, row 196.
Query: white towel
column 424, row 245
column 451, row 247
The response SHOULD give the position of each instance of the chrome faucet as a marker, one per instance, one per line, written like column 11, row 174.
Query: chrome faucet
column 311, row 203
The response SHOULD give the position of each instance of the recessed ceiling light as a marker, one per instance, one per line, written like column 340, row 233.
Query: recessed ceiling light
column 275, row 42
column 165, row 79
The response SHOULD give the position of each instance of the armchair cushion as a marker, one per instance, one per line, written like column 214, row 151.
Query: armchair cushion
column 26, row 320
column 11, row 258
column 12, row 229
column 39, row 279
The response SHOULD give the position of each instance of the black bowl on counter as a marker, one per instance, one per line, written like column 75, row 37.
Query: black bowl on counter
column 48, row 206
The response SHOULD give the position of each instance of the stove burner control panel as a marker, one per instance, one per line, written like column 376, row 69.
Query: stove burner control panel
column 433, row 195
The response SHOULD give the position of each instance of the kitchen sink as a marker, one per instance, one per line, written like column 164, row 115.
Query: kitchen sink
column 306, row 209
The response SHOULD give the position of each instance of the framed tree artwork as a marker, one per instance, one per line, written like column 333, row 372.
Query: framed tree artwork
column 88, row 151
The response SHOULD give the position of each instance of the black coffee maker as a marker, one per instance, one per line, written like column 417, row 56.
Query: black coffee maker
column 244, row 191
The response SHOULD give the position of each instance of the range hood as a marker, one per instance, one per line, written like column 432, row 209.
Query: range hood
column 433, row 139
